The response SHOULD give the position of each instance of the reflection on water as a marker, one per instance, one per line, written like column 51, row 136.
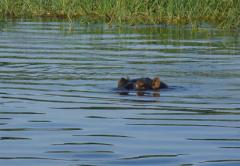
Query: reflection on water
column 58, row 105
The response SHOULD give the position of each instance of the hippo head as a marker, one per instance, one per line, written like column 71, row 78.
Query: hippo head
column 141, row 85
column 122, row 83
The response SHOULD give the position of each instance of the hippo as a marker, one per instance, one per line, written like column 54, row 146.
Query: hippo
column 141, row 84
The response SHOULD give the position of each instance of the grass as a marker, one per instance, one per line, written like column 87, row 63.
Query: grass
column 223, row 13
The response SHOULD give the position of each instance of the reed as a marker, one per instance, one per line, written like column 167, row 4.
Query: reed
column 223, row 13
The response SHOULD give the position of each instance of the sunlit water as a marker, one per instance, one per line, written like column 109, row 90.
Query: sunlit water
column 58, row 105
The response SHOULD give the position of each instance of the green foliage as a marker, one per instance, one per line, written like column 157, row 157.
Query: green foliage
column 224, row 13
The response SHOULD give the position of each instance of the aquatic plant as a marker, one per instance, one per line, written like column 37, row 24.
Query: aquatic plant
column 223, row 13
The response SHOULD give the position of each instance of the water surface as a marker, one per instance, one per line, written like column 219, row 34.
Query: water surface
column 58, row 106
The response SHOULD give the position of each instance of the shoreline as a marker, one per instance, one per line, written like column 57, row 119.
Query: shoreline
column 222, row 14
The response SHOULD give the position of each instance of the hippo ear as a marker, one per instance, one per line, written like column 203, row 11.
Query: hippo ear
column 123, row 79
column 122, row 82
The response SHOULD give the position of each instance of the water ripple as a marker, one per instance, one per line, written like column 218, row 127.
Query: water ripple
column 14, row 138
column 38, row 129
column 152, row 156
column 85, row 143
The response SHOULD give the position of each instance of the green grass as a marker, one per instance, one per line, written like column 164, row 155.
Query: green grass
column 223, row 13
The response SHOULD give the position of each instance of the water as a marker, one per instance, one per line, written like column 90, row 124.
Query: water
column 58, row 105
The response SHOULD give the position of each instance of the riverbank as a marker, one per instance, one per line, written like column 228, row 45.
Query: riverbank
column 222, row 13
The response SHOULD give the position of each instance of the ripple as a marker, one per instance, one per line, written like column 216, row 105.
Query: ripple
column 182, row 125
column 21, row 113
column 14, row 138
column 40, row 100
column 84, row 152
column 222, row 161
column 39, row 129
column 152, row 156
column 104, row 135
column 183, row 119
column 31, row 158
column 214, row 139
column 98, row 117
column 230, row 147
column 39, row 121
column 86, row 143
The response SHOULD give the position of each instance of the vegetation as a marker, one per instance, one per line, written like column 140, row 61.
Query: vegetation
column 224, row 13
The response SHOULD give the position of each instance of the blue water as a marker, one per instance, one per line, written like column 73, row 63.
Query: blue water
column 58, row 105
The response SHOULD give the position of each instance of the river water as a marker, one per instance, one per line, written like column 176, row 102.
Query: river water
column 58, row 105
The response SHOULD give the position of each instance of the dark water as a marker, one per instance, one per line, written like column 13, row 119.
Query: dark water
column 58, row 107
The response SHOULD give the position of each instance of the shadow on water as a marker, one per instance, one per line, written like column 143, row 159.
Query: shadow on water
column 58, row 105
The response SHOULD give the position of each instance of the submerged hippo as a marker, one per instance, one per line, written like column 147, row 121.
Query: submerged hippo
column 141, row 84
